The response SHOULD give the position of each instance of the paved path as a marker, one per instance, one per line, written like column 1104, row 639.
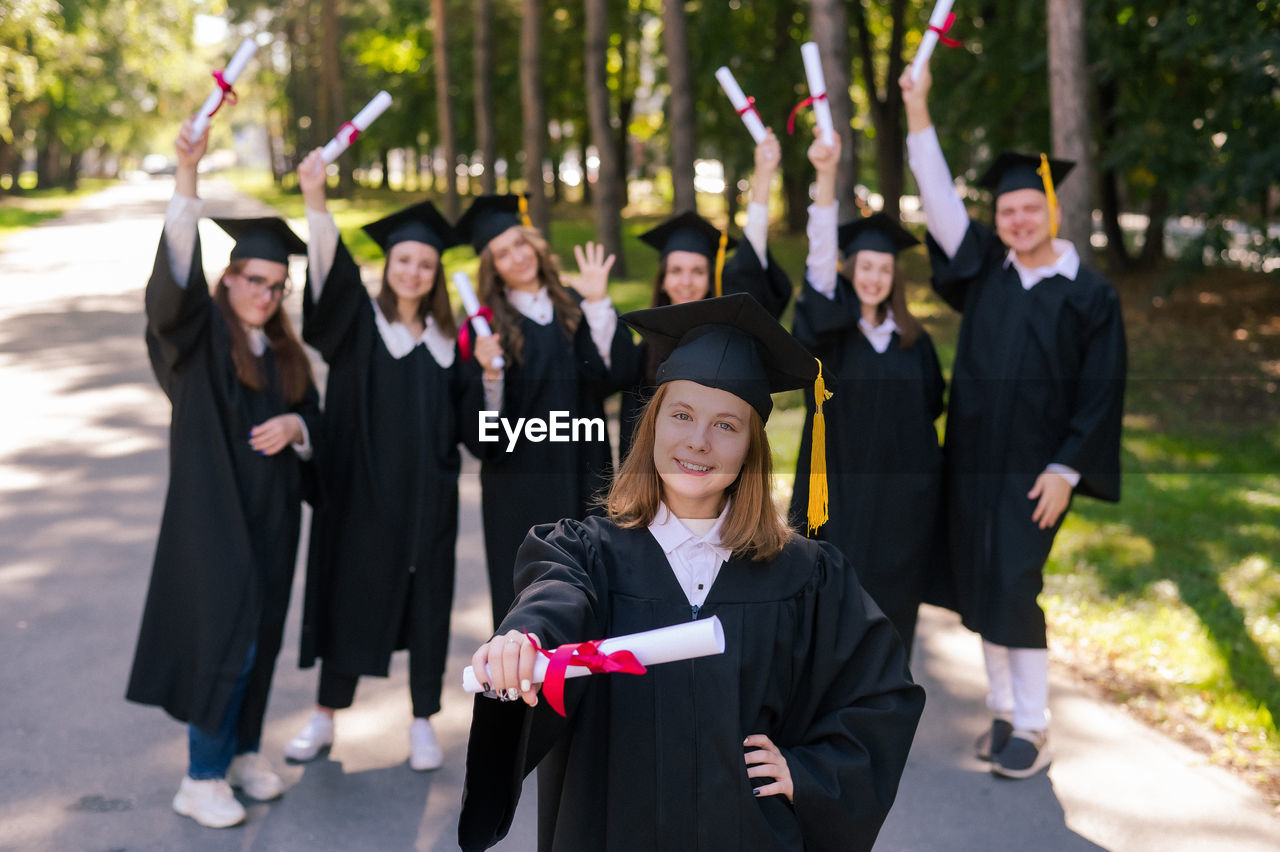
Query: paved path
column 83, row 444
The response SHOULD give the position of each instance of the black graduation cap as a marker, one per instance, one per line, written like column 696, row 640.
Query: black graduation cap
column 264, row 238
column 876, row 232
column 490, row 215
column 1012, row 170
column 731, row 343
column 687, row 232
column 419, row 222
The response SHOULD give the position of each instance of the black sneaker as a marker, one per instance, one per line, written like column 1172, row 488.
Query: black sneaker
column 1026, row 754
column 994, row 739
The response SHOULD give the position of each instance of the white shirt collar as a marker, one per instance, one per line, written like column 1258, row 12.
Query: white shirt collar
column 535, row 305
column 670, row 533
column 1067, row 265
column 879, row 336
column 400, row 341
column 258, row 341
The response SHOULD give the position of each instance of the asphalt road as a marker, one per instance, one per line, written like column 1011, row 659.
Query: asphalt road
column 83, row 456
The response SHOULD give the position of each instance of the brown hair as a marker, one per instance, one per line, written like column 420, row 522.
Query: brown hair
column 753, row 528
column 291, row 360
column 435, row 303
column 506, row 319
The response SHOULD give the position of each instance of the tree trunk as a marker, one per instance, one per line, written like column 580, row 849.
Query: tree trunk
column 606, row 201
column 444, row 115
column 1153, row 247
column 675, row 38
column 1068, row 100
column 482, row 73
column 331, row 103
column 1109, row 183
column 535, row 112
column 830, row 27
column 384, row 157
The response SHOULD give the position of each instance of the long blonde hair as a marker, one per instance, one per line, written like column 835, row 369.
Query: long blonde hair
column 506, row 319
column 753, row 529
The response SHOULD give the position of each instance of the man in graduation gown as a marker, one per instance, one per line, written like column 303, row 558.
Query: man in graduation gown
column 657, row 761
column 1034, row 415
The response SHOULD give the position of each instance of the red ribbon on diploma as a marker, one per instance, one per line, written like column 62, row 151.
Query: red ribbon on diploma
column 464, row 335
column 353, row 132
column 228, row 93
column 791, row 119
column 946, row 28
column 585, row 654
column 750, row 107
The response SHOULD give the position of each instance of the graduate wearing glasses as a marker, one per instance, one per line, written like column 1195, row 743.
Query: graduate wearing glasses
column 244, row 408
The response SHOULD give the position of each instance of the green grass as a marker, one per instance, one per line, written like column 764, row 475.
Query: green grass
column 1170, row 600
column 33, row 206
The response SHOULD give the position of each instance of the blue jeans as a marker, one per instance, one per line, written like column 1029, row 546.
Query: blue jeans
column 209, row 754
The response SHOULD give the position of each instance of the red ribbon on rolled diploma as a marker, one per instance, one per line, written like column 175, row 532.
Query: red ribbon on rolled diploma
column 349, row 132
column 464, row 333
column 791, row 119
column 944, row 29
column 750, row 107
column 228, row 94
column 588, row 656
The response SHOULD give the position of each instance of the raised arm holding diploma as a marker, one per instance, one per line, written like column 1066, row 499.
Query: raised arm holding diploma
column 348, row 132
column 223, row 91
column 939, row 23
column 745, row 106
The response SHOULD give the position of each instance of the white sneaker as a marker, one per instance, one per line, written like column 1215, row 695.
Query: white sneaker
column 424, row 750
column 315, row 736
column 252, row 773
column 210, row 803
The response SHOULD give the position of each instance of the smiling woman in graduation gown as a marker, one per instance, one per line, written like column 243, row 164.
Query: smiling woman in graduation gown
column 561, row 353
column 381, row 565
column 224, row 560
column 659, row 761
column 884, row 475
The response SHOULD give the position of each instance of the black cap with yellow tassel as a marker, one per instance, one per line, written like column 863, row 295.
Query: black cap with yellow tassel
column 489, row 216
column 690, row 232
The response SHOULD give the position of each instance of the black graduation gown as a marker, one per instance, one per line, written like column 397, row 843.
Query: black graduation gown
column 390, row 513
column 223, row 567
column 541, row 482
column 656, row 761
column 771, row 287
column 1038, row 379
column 884, row 466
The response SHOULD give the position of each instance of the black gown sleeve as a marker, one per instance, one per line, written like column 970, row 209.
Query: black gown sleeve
column 769, row 284
column 821, row 323
column 560, row 597
column 934, row 385
column 327, row 321
column 1092, row 443
column 177, row 317
column 860, row 709
column 952, row 277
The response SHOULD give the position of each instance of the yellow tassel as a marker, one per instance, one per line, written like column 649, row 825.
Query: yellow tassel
column 818, row 457
column 523, row 203
column 724, row 242
column 1046, row 175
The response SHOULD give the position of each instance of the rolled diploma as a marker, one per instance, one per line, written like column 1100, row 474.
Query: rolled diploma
column 817, row 87
column 685, row 641
column 740, row 103
column 342, row 140
column 231, row 73
column 930, row 38
column 471, row 305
